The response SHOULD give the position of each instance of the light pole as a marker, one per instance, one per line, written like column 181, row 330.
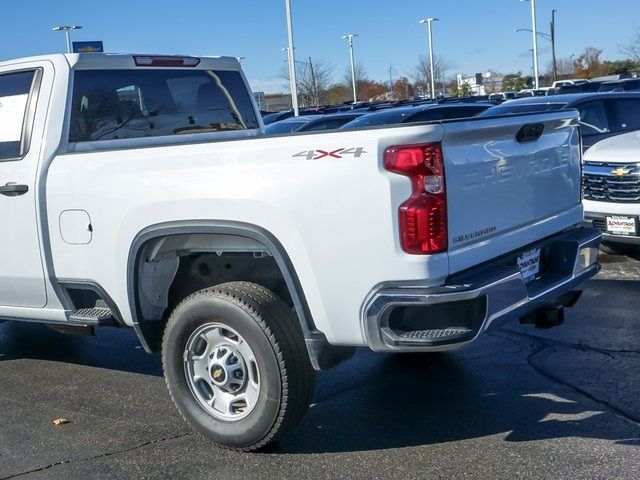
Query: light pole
column 534, row 35
column 429, row 21
column 349, row 37
column 292, row 61
column 67, row 31
column 553, row 44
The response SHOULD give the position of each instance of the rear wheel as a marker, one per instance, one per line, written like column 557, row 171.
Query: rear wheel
column 619, row 248
column 236, row 365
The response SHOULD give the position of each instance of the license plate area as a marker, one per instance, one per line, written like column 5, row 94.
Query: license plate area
column 529, row 263
column 622, row 225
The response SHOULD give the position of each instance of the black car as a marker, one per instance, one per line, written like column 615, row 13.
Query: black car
column 602, row 115
column 423, row 113
column 624, row 85
column 330, row 122
column 283, row 115
column 287, row 125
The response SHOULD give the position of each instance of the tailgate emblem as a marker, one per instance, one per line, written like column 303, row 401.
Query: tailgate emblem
column 317, row 154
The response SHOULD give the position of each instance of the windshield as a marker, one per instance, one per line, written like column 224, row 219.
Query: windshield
column 518, row 108
column 370, row 120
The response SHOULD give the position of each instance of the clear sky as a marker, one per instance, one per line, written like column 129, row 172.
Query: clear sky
column 472, row 35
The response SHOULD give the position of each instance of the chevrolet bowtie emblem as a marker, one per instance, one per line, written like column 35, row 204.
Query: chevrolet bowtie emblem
column 620, row 171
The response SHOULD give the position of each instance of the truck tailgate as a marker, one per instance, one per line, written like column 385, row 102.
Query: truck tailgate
column 505, row 191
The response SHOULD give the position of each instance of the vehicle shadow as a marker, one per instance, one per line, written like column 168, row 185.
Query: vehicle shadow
column 442, row 398
column 111, row 348
column 381, row 401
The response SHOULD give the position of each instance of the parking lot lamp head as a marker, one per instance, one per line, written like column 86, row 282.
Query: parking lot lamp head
column 67, row 31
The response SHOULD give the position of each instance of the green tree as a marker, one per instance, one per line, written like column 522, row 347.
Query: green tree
column 514, row 82
column 463, row 90
column 625, row 67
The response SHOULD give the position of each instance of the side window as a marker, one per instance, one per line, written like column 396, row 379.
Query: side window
column 330, row 124
column 14, row 94
column 593, row 118
column 462, row 112
column 427, row 116
column 625, row 114
column 117, row 104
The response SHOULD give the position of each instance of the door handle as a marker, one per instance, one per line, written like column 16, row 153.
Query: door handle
column 13, row 190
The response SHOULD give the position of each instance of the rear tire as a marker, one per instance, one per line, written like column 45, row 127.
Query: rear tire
column 618, row 248
column 236, row 365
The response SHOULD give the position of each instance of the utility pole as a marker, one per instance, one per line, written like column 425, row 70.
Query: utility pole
column 316, row 93
column 553, row 44
column 390, row 82
column 292, row 61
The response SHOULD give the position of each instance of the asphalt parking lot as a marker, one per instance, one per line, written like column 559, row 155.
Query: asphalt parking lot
column 520, row 403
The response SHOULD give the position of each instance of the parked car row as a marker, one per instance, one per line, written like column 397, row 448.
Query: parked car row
column 424, row 112
column 602, row 115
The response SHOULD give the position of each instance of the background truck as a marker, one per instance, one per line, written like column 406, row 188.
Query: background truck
column 612, row 191
column 139, row 191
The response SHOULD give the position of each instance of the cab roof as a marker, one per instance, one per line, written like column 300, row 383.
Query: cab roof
column 88, row 61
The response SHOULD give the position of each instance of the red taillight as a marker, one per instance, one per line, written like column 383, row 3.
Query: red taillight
column 423, row 217
column 165, row 61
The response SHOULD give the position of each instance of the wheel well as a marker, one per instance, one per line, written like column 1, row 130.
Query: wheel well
column 169, row 268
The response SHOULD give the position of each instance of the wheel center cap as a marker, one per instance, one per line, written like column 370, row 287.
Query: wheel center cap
column 219, row 374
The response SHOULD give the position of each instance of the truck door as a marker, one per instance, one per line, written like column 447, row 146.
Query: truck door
column 22, row 281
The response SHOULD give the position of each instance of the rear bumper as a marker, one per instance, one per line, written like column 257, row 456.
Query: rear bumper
column 453, row 315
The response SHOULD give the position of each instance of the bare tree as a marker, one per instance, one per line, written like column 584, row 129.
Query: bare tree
column 104, row 115
column 632, row 47
column 361, row 76
column 589, row 65
column 422, row 72
column 313, row 80
column 564, row 68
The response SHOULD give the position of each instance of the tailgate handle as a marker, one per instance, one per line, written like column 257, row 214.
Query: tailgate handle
column 530, row 132
column 13, row 190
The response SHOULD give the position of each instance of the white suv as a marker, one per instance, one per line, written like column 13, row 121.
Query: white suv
column 612, row 191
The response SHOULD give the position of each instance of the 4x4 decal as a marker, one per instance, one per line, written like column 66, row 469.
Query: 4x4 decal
column 355, row 152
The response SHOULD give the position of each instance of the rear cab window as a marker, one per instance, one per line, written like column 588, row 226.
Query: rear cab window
column 14, row 97
column 114, row 104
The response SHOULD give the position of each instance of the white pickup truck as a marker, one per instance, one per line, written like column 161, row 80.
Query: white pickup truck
column 140, row 191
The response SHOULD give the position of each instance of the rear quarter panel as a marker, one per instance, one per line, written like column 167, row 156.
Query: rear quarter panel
column 334, row 212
